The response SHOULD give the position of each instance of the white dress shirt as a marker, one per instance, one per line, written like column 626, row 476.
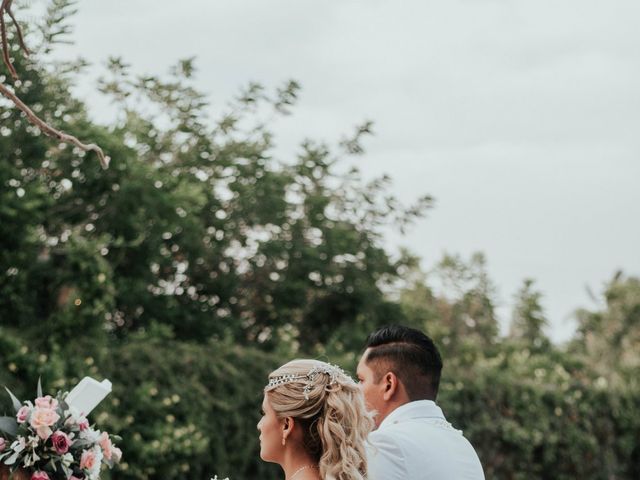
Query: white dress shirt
column 415, row 442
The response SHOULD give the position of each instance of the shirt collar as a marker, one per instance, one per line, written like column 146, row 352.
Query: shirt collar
column 411, row 410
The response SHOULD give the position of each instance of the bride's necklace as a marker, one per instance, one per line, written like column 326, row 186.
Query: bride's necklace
column 295, row 474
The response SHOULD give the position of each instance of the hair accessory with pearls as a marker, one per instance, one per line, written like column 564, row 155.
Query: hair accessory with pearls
column 333, row 371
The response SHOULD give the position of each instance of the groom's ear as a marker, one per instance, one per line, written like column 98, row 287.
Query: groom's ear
column 390, row 386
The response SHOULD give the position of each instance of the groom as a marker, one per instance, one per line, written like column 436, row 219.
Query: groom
column 399, row 374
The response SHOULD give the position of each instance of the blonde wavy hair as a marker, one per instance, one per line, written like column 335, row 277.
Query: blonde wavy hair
column 332, row 413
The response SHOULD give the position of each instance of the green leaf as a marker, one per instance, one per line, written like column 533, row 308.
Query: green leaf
column 39, row 388
column 17, row 404
column 9, row 426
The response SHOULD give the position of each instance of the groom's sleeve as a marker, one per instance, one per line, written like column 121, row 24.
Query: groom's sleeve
column 385, row 460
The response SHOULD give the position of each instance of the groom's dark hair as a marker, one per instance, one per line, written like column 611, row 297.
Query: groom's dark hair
column 410, row 355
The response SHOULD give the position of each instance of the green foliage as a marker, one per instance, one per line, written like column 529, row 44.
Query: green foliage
column 195, row 226
column 544, row 415
column 470, row 310
column 609, row 338
column 187, row 411
column 55, row 27
column 455, row 304
column 528, row 321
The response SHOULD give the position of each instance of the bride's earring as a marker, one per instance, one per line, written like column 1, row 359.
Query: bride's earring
column 284, row 441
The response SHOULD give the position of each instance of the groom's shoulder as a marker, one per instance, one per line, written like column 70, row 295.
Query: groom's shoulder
column 386, row 456
column 431, row 449
column 388, row 435
column 418, row 437
column 396, row 437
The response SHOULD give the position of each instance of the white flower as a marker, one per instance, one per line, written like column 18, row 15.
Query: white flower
column 67, row 459
column 19, row 445
column 91, row 435
column 33, row 442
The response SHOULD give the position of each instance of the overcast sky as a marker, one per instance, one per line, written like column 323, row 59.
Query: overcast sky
column 521, row 117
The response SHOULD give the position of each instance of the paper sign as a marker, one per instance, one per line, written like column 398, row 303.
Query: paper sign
column 88, row 394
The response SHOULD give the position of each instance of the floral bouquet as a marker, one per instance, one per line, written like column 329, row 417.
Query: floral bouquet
column 51, row 440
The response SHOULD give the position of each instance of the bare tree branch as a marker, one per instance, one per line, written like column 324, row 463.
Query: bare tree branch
column 44, row 127
column 18, row 30
column 6, row 53
column 5, row 43
column 52, row 132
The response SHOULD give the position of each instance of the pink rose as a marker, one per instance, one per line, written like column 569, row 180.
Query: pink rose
column 88, row 460
column 40, row 475
column 61, row 442
column 83, row 424
column 42, row 419
column 3, row 444
column 105, row 443
column 116, row 454
column 47, row 402
column 23, row 414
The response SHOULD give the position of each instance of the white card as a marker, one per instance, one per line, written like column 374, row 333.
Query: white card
column 88, row 394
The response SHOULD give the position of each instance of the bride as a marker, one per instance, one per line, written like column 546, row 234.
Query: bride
column 314, row 423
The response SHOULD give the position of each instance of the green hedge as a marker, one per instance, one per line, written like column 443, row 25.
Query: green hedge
column 544, row 421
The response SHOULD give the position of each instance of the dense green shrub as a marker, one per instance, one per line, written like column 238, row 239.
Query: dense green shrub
column 535, row 417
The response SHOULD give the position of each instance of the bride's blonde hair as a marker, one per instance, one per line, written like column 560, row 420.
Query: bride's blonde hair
column 331, row 409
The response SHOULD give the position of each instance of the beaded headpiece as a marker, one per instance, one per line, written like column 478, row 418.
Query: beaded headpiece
column 333, row 371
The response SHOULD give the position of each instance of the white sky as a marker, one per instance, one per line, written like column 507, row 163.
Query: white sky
column 520, row 117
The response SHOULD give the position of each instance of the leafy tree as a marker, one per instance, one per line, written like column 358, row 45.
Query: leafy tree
column 454, row 304
column 33, row 242
column 196, row 226
column 528, row 320
column 609, row 337
column 468, row 310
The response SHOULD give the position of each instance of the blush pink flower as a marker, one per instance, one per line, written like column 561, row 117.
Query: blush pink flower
column 47, row 402
column 23, row 414
column 116, row 454
column 40, row 475
column 3, row 444
column 61, row 442
column 42, row 419
column 105, row 444
column 88, row 460
column 83, row 424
